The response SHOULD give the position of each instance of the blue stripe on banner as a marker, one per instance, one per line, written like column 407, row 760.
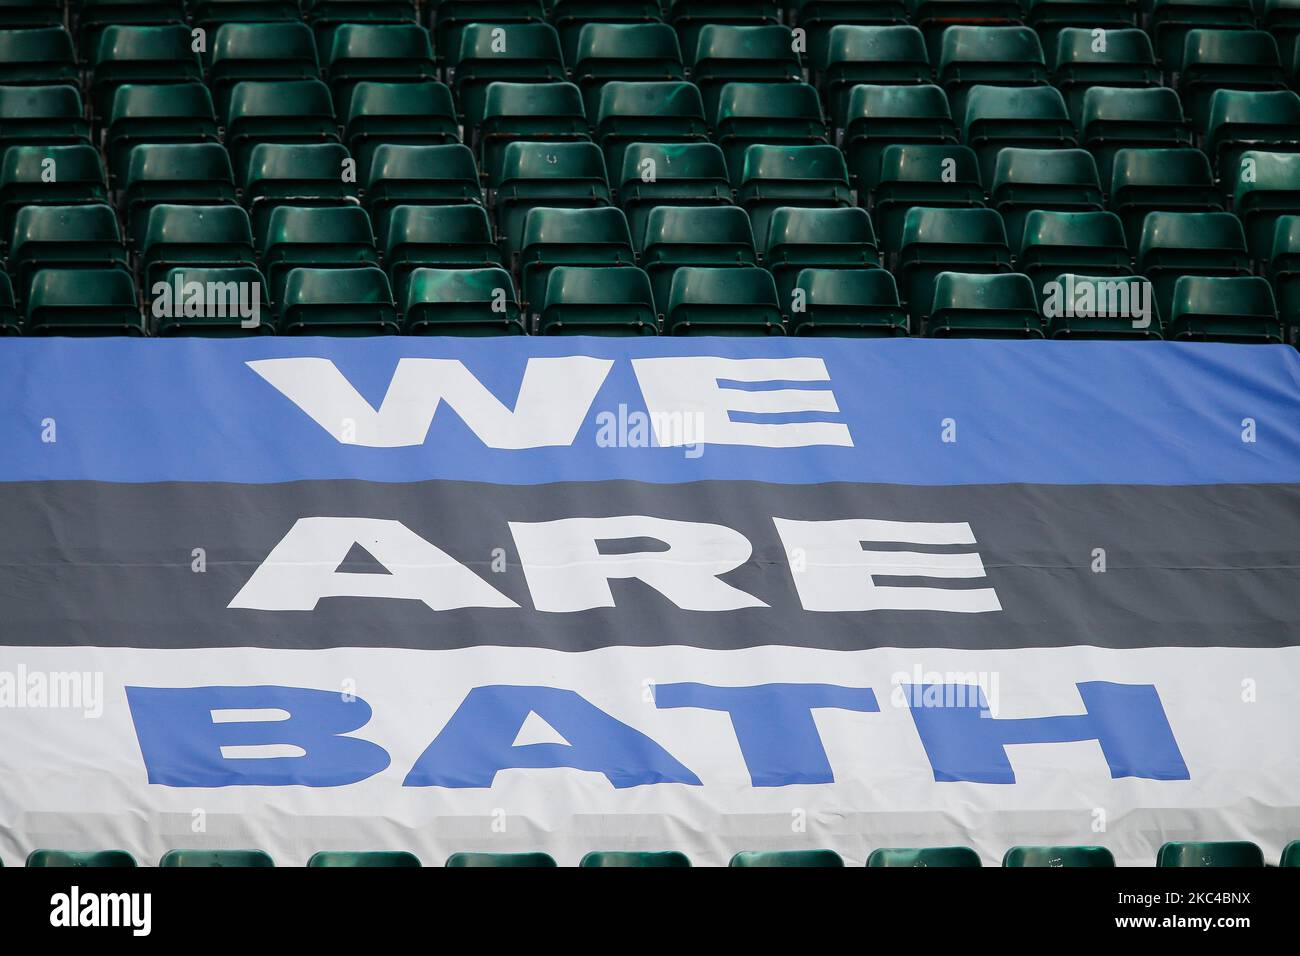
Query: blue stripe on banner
column 915, row 412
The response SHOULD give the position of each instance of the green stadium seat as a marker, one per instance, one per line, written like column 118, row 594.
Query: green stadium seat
column 581, row 300
column 377, row 858
column 999, row 116
column 1178, row 244
column 1232, row 853
column 647, row 112
column 437, row 237
column 774, row 114
column 676, row 236
column 513, row 52
column 541, row 113
column 185, row 173
column 1053, row 242
column 946, row 240
column 1059, row 856
column 1281, row 18
column 1063, row 180
column 450, row 17
column 726, row 53
column 298, row 174
column 239, row 858
column 818, row 17
column 1284, row 271
column 709, row 301
column 440, row 175
column 983, row 306
column 323, row 15
column 11, row 322
column 1226, row 59
column 132, row 54
column 1224, row 309
column 884, row 55
column 83, row 302
column 922, row 175
column 382, row 52
column 461, row 302
column 316, row 237
column 93, row 16
column 277, row 111
column 799, row 239
column 500, row 859
column 65, row 858
column 1117, row 59
column 1102, row 307
column 260, row 51
column 1050, row 18
column 786, row 858
column 958, row 856
column 934, row 17
column 1117, row 118
column 65, row 237
column 1266, row 186
column 224, row 308
column 210, row 15
column 37, row 57
column 670, row 174
column 1171, row 20
column 1249, row 119
column 1291, row 854
column 1160, row 180
column 157, row 113
column 556, row 175
column 608, row 858
column 690, row 17
column 775, row 176
column 624, row 51
column 41, row 115
column 32, row 13
column 858, row 303
column 571, row 16
column 407, row 114
column 337, row 302
column 988, row 56
column 77, row 178
column 882, row 116
column 569, row 237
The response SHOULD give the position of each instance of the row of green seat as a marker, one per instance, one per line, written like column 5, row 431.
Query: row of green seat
column 1180, row 854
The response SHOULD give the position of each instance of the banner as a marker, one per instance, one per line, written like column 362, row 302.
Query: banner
column 570, row 594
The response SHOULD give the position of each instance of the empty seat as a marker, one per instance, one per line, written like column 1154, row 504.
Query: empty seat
column 677, row 236
column 1247, row 119
column 461, row 302
column 988, row 56
column 1116, row 118
column 1171, row 20
column 48, row 175
column 775, row 114
column 570, row 17
column 1100, row 307
column 922, row 175
column 1090, row 243
column 557, row 175
column 297, row 174
column 690, row 17
column 65, row 237
column 194, row 236
column 93, row 16
column 1226, row 59
column 407, row 113
column 337, row 302
column 1283, row 271
column 726, row 53
column 1057, row 179
column 136, row 54
column 1233, row 853
column 383, row 52
column 775, row 176
column 83, row 302
column 531, row 112
column 439, row 237
column 983, row 306
column 1267, row 186
column 890, row 55
column 798, row 239
column 37, row 56
column 818, row 17
column 10, row 320
column 645, row 112
column 860, row 303
column 420, row 175
column 962, row 856
column 934, row 17
column 1177, row 244
column 190, row 173
column 1160, row 180
column 1224, row 309
column 1281, row 18
column 324, row 15
column 624, row 51
column 95, row 858
column 569, row 237
column 514, row 52
column 260, row 51
column 450, row 17
column 670, row 174
column 317, row 237
column 157, row 113
column 882, row 116
column 608, row 858
column 1051, row 18
column 710, row 301
column 241, row 858
column 582, row 300
column 209, row 15
column 377, row 858
column 946, row 240
column 1000, row 116
column 1116, row 58
column 45, row 115
column 501, row 859
column 293, row 111
column 783, row 858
